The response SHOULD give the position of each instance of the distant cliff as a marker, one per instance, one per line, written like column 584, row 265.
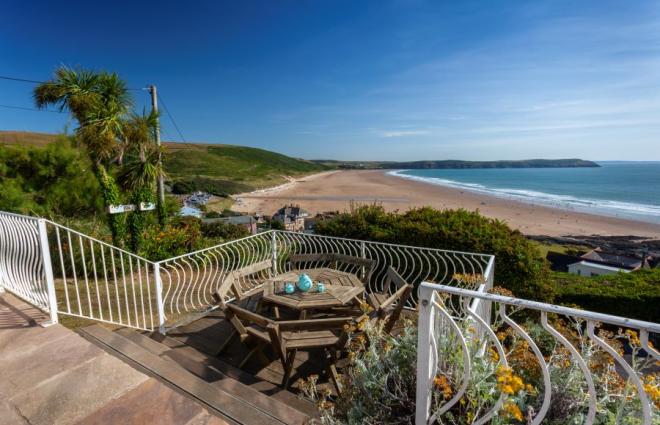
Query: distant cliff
column 527, row 163
column 455, row 164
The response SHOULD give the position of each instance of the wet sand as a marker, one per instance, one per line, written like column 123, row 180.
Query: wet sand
column 338, row 190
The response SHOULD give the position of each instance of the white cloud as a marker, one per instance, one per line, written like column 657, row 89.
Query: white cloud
column 404, row 133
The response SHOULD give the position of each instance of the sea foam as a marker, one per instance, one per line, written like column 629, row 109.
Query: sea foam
column 644, row 212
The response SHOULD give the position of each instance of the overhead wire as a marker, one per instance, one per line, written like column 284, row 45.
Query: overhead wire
column 27, row 80
column 25, row 108
column 167, row 111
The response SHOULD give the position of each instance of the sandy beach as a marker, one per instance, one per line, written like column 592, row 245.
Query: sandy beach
column 336, row 190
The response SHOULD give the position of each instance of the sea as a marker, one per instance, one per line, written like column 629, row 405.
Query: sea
column 616, row 188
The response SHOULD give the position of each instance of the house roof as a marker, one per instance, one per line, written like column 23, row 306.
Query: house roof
column 238, row 219
column 290, row 213
column 600, row 266
column 614, row 260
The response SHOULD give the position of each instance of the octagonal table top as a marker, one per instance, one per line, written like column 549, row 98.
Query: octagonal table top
column 341, row 288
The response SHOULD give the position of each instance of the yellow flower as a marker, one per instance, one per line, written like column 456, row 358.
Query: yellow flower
column 507, row 382
column 511, row 410
column 443, row 385
column 632, row 337
column 652, row 388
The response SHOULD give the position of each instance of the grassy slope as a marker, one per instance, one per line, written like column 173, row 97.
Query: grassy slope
column 253, row 168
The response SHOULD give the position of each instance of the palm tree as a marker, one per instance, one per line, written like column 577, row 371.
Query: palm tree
column 140, row 169
column 99, row 101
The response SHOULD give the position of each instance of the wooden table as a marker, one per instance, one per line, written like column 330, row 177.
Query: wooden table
column 341, row 289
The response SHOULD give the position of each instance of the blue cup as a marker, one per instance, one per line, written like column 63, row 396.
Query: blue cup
column 289, row 288
column 320, row 287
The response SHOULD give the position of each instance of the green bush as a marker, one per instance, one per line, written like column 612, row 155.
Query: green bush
column 216, row 187
column 635, row 295
column 51, row 181
column 518, row 266
column 224, row 231
column 179, row 237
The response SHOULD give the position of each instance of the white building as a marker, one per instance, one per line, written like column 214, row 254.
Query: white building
column 589, row 269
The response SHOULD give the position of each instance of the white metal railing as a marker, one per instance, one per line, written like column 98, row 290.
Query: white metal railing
column 64, row 271
column 189, row 280
column 531, row 362
column 95, row 280
column 25, row 270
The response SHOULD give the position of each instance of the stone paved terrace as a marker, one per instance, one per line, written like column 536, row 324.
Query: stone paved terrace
column 54, row 376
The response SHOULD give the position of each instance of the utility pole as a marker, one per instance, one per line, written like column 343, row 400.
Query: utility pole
column 154, row 107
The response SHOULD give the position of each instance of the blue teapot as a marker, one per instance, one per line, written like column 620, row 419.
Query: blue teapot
column 304, row 283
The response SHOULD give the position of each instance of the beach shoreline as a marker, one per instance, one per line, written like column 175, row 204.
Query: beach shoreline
column 338, row 190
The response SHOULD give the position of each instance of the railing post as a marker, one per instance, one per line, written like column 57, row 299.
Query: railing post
column 48, row 272
column 490, row 282
column 363, row 254
column 159, row 299
column 424, row 366
column 273, row 248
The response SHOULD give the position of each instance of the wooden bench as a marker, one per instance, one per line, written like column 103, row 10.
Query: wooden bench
column 387, row 305
column 232, row 282
column 287, row 337
column 360, row 266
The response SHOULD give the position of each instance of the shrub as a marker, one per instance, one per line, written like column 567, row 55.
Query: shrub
column 380, row 386
column 224, row 231
column 40, row 180
column 177, row 238
column 635, row 294
column 518, row 265
column 381, row 378
column 216, row 187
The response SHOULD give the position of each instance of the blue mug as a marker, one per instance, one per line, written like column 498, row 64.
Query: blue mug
column 320, row 287
column 289, row 288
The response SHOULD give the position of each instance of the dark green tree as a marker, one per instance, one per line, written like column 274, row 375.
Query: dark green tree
column 139, row 170
column 99, row 101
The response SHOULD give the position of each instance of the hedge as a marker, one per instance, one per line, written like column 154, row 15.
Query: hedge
column 634, row 295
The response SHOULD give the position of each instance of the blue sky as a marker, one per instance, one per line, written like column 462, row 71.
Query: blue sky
column 382, row 80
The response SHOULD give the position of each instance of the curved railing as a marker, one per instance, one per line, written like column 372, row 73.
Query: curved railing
column 190, row 280
column 414, row 264
column 91, row 279
column 21, row 259
column 532, row 362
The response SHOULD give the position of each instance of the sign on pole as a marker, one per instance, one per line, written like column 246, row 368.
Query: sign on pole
column 119, row 209
column 147, row 206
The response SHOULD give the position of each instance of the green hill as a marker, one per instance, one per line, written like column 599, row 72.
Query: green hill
column 456, row 164
column 247, row 167
column 217, row 168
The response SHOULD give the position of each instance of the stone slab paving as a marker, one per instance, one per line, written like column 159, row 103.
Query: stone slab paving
column 54, row 376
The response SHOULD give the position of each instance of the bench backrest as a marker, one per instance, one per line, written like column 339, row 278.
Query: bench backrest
column 389, row 309
column 335, row 261
column 232, row 280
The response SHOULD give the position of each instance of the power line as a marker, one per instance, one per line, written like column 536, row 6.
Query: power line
column 23, row 80
column 167, row 111
column 26, row 80
column 25, row 108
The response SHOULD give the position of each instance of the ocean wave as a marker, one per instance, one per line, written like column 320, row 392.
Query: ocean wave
column 644, row 212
